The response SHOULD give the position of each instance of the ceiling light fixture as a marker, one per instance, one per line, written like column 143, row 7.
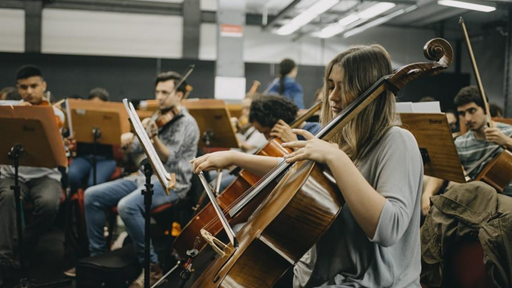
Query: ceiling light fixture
column 307, row 16
column 360, row 17
column 375, row 10
column 337, row 27
column 378, row 21
column 467, row 5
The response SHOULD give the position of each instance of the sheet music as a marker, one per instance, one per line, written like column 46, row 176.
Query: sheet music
column 10, row 102
column 418, row 107
column 164, row 177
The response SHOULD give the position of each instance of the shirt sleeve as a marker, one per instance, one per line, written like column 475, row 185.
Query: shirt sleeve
column 298, row 95
column 399, row 180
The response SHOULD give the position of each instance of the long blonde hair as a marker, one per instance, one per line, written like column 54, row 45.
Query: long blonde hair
column 362, row 66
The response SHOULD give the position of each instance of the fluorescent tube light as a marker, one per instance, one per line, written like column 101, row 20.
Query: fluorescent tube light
column 466, row 5
column 375, row 10
column 378, row 21
column 307, row 16
column 338, row 27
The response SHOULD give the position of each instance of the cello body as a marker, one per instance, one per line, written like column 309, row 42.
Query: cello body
column 268, row 246
column 190, row 236
column 498, row 172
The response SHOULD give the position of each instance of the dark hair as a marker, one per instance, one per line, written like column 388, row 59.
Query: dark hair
column 170, row 75
column 427, row 99
column 267, row 110
column 28, row 71
column 467, row 95
column 11, row 93
column 496, row 111
column 285, row 67
column 98, row 92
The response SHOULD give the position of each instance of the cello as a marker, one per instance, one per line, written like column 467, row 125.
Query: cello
column 305, row 202
column 235, row 193
column 498, row 171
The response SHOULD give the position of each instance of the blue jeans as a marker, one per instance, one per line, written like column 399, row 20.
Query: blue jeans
column 81, row 167
column 126, row 194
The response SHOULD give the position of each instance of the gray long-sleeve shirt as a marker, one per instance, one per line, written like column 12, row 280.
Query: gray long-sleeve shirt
column 345, row 256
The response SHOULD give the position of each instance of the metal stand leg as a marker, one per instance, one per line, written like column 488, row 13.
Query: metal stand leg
column 148, row 195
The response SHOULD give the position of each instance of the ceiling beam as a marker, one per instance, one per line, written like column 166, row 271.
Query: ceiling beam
column 140, row 7
column 281, row 14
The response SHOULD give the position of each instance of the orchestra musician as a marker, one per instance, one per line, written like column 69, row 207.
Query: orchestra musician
column 82, row 166
column 286, row 84
column 374, row 242
column 475, row 143
column 175, row 140
column 271, row 116
column 41, row 186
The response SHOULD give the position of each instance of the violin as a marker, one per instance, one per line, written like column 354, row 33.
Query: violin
column 305, row 202
column 162, row 118
column 46, row 103
column 242, row 124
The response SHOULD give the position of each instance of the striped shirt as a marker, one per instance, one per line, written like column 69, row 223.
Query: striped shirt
column 180, row 137
column 471, row 149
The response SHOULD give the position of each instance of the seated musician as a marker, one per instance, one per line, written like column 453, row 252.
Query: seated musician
column 82, row 166
column 175, row 144
column 9, row 93
column 41, row 186
column 249, row 138
column 374, row 242
column 475, row 143
column 270, row 116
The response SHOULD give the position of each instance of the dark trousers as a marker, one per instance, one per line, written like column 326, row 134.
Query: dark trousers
column 45, row 194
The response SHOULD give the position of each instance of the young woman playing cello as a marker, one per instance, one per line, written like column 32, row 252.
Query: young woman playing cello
column 374, row 242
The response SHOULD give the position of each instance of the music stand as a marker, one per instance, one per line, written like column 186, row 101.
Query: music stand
column 214, row 122
column 434, row 137
column 96, row 123
column 33, row 140
column 150, row 165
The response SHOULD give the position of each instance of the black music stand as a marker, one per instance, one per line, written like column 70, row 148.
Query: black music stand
column 440, row 157
column 36, row 142
column 150, row 165
column 97, row 123
column 213, row 119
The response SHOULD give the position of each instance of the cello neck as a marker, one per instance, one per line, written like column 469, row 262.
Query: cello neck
column 305, row 116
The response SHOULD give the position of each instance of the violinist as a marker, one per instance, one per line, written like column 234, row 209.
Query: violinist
column 81, row 168
column 249, row 138
column 41, row 186
column 175, row 140
column 374, row 242
column 476, row 142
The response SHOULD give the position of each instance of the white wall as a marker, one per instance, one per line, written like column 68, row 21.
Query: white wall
column 264, row 47
column 12, row 30
column 111, row 34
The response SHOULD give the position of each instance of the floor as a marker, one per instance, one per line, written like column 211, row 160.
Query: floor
column 47, row 263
